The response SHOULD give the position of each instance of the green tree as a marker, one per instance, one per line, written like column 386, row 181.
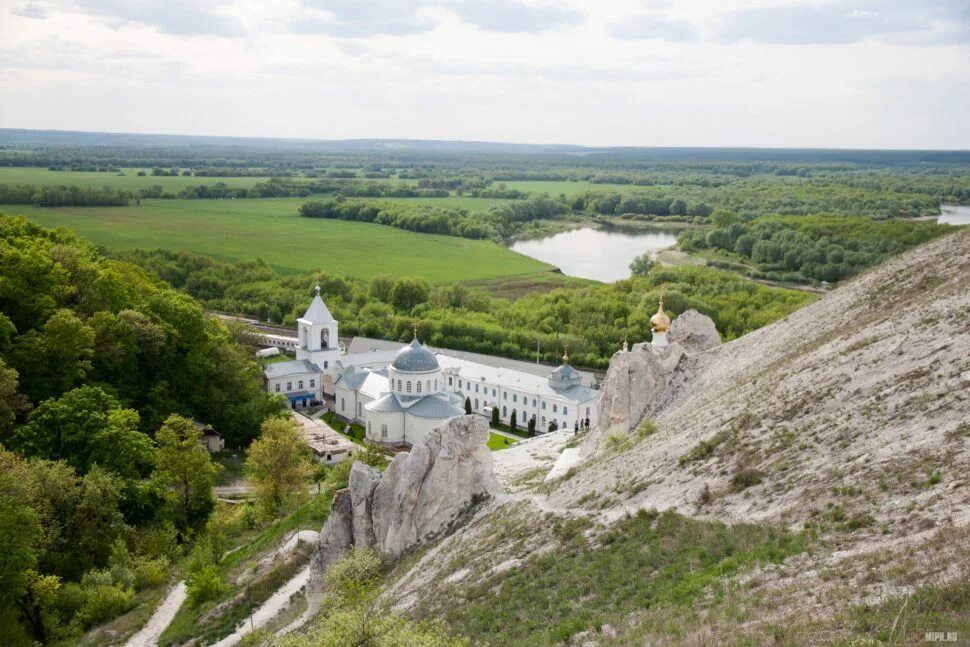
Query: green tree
column 87, row 426
column 278, row 463
column 380, row 287
column 495, row 418
column 409, row 292
column 641, row 265
column 512, row 422
column 468, row 406
column 55, row 358
column 184, row 469
column 12, row 404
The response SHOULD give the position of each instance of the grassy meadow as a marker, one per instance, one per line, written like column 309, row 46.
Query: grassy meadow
column 130, row 181
column 271, row 229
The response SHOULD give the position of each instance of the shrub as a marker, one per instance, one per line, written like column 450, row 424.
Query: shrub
column 703, row 449
column 746, row 477
column 204, row 585
column 618, row 442
column 103, row 603
column 647, row 428
column 150, row 573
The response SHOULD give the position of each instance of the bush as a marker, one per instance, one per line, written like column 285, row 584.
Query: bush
column 618, row 442
column 647, row 428
column 745, row 478
column 204, row 585
column 150, row 573
column 104, row 602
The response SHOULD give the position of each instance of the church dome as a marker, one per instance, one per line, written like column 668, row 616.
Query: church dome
column 415, row 358
column 660, row 322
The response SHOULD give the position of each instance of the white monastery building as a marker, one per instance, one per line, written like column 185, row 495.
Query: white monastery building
column 400, row 395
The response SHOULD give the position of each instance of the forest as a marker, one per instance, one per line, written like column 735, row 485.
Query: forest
column 106, row 376
column 810, row 248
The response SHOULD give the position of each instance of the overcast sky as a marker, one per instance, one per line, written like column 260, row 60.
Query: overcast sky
column 853, row 73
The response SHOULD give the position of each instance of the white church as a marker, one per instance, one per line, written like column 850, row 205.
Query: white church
column 402, row 394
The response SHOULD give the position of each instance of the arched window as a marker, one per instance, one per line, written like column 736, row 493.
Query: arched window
column 503, row 412
column 409, row 386
column 436, row 385
column 324, row 338
column 399, row 386
column 427, row 386
column 476, row 404
column 418, row 385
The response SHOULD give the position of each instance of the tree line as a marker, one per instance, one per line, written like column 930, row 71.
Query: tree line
column 809, row 248
column 592, row 320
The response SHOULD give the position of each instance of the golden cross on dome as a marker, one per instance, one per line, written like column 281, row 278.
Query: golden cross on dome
column 414, row 326
column 662, row 296
column 565, row 354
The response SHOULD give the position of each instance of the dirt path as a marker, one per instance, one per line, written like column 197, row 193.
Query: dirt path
column 148, row 636
column 269, row 609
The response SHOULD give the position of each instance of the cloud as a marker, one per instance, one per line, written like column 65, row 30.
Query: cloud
column 362, row 18
column 177, row 17
column 30, row 10
column 651, row 27
column 847, row 22
column 513, row 17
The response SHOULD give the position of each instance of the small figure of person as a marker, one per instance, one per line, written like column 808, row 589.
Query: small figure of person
column 576, row 428
column 587, row 423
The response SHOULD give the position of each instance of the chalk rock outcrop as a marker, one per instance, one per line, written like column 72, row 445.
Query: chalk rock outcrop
column 420, row 495
column 642, row 381
column 694, row 331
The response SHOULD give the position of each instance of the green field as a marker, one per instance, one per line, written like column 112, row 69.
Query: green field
column 271, row 229
column 130, row 181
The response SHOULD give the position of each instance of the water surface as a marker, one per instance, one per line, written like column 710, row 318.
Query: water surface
column 954, row 214
column 599, row 254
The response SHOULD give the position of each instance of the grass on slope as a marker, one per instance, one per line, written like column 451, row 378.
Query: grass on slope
column 498, row 441
column 645, row 560
column 271, row 229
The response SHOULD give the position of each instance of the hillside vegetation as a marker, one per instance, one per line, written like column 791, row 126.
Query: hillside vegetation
column 813, row 482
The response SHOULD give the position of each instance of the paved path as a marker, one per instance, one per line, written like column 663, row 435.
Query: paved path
column 148, row 636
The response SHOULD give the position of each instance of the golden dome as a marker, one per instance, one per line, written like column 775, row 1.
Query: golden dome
column 660, row 322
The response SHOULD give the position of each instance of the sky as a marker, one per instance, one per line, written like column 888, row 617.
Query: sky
column 765, row 73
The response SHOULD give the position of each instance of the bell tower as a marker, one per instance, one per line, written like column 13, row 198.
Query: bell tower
column 317, row 331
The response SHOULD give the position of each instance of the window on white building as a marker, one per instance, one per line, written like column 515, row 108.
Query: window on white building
column 543, row 406
column 427, row 386
column 325, row 364
column 383, row 431
column 436, row 385
column 554, row 408
column 399, row 386
column 533, row 402
column 277, row 387
column 313, row 383
column 565, row 411
column 476, row 388
column 505, row 396
column 493, row 393
column 289, row 386
column 503, row 412
column 449, row 381
column 476, row 404
column 587, row 412
column 419, row 386
column 408, row 386
column 515, row 398
column 343, row 405
column 299, row 384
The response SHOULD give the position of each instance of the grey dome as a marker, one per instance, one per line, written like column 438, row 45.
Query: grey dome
column 415, row 358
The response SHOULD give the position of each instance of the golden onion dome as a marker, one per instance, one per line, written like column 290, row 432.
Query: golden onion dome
column 660, row 322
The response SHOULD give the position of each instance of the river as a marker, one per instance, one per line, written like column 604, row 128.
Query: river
column 954, row 214
column 599, row 254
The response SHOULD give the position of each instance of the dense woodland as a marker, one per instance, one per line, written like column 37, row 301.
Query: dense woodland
column 106, row 374
column 810, row 248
